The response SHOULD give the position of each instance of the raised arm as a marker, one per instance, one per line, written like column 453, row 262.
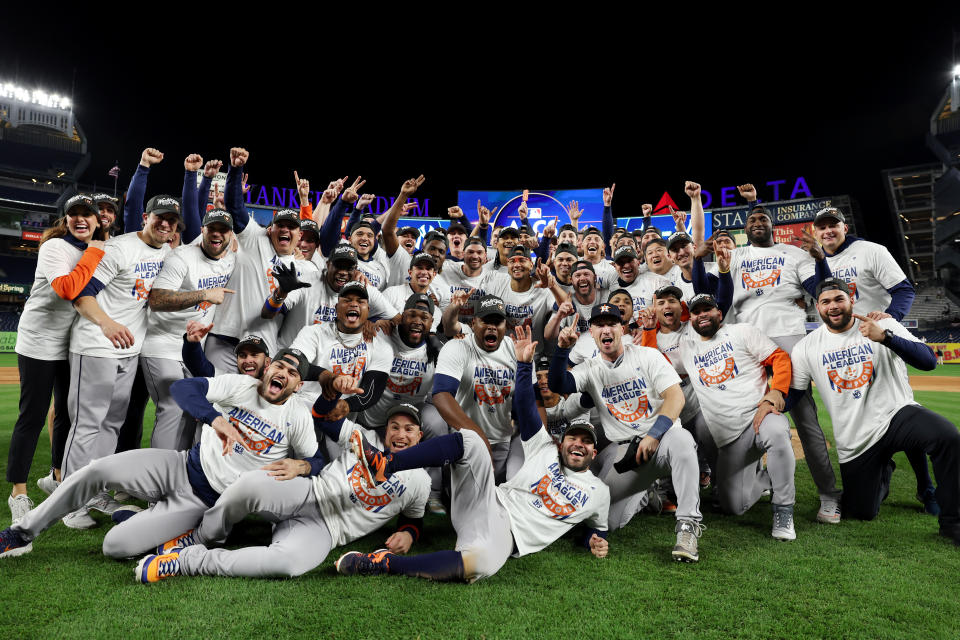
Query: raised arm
column 389, row 231
column 697, row 223
column 524, row 399
column 136, row 192
column 233, row 199
column 210, row 171
column 188, row 198
column 607, row 217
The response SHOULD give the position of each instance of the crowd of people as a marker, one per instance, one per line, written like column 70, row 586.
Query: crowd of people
column 568, row 380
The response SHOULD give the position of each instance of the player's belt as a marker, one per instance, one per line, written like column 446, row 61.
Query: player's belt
column 684, row 381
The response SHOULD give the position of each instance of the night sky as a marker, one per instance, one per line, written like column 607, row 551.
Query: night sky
column 505, row 102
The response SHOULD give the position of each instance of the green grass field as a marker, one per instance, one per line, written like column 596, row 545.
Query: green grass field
column 891, row 578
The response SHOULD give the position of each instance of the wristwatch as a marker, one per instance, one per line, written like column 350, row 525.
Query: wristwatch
column 887, row 335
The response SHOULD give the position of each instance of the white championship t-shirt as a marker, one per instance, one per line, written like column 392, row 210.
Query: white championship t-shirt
column 187, row 268
column 410, row 380
column 766, row 283
column 870, row 270
column 728, row 376
column 861, row 382
column 270, row 432
column 627, row 393
column 397, row 298
column 351, row 510
column 128, row 269
column 545, row 499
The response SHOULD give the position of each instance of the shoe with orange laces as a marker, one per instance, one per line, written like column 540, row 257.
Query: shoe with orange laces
column 373, row 462
column 12, row 544
column 355, row 563
column 154, row 568
column 182, row 540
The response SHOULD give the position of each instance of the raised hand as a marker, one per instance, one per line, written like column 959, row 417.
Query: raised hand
column 410, row 186
column 485, row 214
column 212, row 168
column 150, row 157
column 748, row 192
column 238, row 156
column 723, row 258
column 461, row 297
column 692, row 189
column 809, row 244
column 569, row 335
column 551, row 229
column 303, row 188
column 679, row 218
column 329, row 195
column 522, row 211
column 217, row 197
column 228, row 434
column 608, row 195
column 197, row 330
column 648, row 318
column 574, row 211
column 243, row 184
column 704, row 248
column 870, row 329
column 286, row 278
column 347, row 384
column 365, row 199
column 525, row 195
column 352, row 193
column 646, row 209
column 193, row 162
column 522, row 345
column 407, row 207
column 455, row 212
column 565, row 309
column 544, row 277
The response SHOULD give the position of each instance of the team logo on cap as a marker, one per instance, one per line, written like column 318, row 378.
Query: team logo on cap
column 604, row 308
column 168, row 202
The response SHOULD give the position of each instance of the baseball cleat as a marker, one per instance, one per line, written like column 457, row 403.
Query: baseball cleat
column 19, row 507
column 686, row 548
column 182, row 540
column 435, row 506
column 156, row 567
column 12, row 544
column 373, row 462
column 79, row 519
column 124, row 513
column 48, row 484
column 929, row 500
column 103, row 503
column 829, row 512
column 355, row 563
column 783, row 522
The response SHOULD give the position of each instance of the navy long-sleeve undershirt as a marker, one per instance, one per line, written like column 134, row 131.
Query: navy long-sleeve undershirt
column 525, row 404
column 133, row 205
column 188, row 208
column 233, row 199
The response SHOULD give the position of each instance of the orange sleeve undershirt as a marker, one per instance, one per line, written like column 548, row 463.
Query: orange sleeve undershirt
column 782, row 371
column 306, row 211
column 684, row 312
column 69, row 286
column 649, row 339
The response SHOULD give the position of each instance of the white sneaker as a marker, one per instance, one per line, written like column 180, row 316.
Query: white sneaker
column 829, row 511
column 48, row 483
column 19, row 506
column 122, row 496
column 435, row 505
column 686, row 548
column 79, row 519
column 103, row 503
column 783, row 522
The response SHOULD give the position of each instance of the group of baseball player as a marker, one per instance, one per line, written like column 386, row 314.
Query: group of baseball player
column 335, row 378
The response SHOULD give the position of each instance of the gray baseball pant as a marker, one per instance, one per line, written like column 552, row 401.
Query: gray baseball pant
column 301, row 540
column 97, row 404
column 172, row 429
column 221, row 354
column 154, row 475
column 814, row 443
column 676, row 457
column 507, row 458
column 484, row 538
column 740, row 480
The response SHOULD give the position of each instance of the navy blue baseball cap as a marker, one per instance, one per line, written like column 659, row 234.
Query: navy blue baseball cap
column 605, row 310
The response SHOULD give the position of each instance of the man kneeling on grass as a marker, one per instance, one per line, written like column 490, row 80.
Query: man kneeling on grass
column 552, row 492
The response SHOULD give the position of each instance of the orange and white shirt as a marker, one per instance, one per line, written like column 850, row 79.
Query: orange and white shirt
column 628, row 392
column 351, row 510
column 545, row 499
column 861, row 382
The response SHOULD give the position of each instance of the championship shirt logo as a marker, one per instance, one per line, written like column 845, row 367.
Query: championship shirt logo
column 369, row 501
column 490, row 394
column 728, row 372
column 849, row 368
column 491, row 386
column 747, row 281
column 410, row 388
column 541, row 489
column 245, row 422
column 140, row 290
column 627, row 401
column 271, row 283
column 355, row 368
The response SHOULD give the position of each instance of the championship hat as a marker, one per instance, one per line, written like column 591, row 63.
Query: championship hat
column 421, row 302
column 286, row 214
column 489, row 305
column 163, row 204
column 253, row 341
column 83, row 201
column 354, row 286
column 405, row 408
column 295, row 358
column 829, row 212
column 605, row 310
column 106, row 198
column 218, row 215
column 344, row 253
column 702, row 300
column 831, row 284
column 422, row 256
column 581, row 426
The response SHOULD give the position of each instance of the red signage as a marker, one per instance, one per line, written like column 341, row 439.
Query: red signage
column 31, row 235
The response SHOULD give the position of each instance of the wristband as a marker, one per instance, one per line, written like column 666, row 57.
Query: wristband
column 660, row 426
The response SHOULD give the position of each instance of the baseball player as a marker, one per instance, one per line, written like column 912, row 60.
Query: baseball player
column 563, row 260
column 261, row 250
column 422, row 272
column 728, row 366
column 639, row 399
column 257, row 424
column 556, row 411
column 768, row 279
column 189, row 287
column 311, row 515
column 594, row 247
column 877, row 284
column 550, row 494
column 641, row 285
column 469, row 276
column 105, row 342
column 475, row 380
column 396, row 259
column 586, row 295
column 858, row 366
